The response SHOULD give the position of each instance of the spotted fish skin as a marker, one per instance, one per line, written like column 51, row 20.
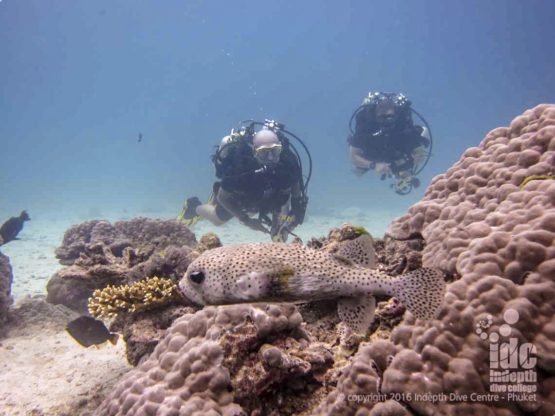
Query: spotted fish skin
column 282, row 272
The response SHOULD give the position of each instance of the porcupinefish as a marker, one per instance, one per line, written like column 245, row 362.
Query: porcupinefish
column 279, row 272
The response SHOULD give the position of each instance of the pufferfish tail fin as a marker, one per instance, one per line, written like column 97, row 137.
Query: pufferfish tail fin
column 421, row 291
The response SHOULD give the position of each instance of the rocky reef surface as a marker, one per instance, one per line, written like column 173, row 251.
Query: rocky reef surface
column 97, row 254
column 488, row 221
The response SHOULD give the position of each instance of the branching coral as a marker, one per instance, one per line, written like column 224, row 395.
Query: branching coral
column 145, row 294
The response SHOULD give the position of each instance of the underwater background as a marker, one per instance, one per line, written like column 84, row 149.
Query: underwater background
column 81, row 80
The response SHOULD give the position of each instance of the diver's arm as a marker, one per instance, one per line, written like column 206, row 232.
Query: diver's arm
column 231, row 203
column 421, row 136
column 360, row 163
column 418, row 144
column 290, row 214
column 299, row 201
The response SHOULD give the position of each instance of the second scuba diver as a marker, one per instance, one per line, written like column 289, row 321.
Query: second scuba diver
column 385, row 139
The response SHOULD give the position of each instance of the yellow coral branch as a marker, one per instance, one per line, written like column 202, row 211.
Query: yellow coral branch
column 145, row 294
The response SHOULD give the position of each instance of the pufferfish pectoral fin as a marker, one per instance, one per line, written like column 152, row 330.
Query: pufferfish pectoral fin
column 357, row 313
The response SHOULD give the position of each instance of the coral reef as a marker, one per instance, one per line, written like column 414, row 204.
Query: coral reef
column 6, row 278
column 335, row 236
column 484, row 221
column 400, row 256
column 116, row 263
column 359, row 386
column 265, row 356
column 154, row 297
column 145, row 235
column 143, row 330
column 207, row 242
column 227, row 360
column 480, row 225
column 145, row 294
column 475, row 221
column 99, row 254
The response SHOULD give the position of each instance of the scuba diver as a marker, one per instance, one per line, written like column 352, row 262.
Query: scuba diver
column 259, row 172
column 385, row 139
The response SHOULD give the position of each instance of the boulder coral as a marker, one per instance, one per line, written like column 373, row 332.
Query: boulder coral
column 226, row 360
column 145, row 235
column 497, row 236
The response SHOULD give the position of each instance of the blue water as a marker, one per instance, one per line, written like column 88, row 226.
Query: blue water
column 80, row 80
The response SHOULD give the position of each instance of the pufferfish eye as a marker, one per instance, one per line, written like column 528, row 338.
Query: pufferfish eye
column 197, row 277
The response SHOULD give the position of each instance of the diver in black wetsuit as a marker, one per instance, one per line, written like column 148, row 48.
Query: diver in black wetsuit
column 385, row 138
column 259, row 173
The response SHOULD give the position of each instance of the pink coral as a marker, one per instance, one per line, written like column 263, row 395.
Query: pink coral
column 224, row 360
column 483, row 222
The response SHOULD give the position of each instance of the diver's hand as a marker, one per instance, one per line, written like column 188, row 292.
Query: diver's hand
column 279, row 238
column 383, row 170
column 371, row 165
column 254, row 224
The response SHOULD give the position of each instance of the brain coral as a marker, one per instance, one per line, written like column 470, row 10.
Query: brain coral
column 220, row 361
column 484, row 222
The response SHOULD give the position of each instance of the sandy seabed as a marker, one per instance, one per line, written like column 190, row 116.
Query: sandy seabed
column 43, row 371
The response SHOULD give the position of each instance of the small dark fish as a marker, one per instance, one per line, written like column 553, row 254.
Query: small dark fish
column 140, row 137
column 11, row 228
column 88, row 331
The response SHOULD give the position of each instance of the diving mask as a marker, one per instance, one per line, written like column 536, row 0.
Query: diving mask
column 268, row 154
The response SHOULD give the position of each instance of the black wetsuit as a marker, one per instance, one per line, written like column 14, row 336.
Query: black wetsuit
column 261, row 189
column 387, row 146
